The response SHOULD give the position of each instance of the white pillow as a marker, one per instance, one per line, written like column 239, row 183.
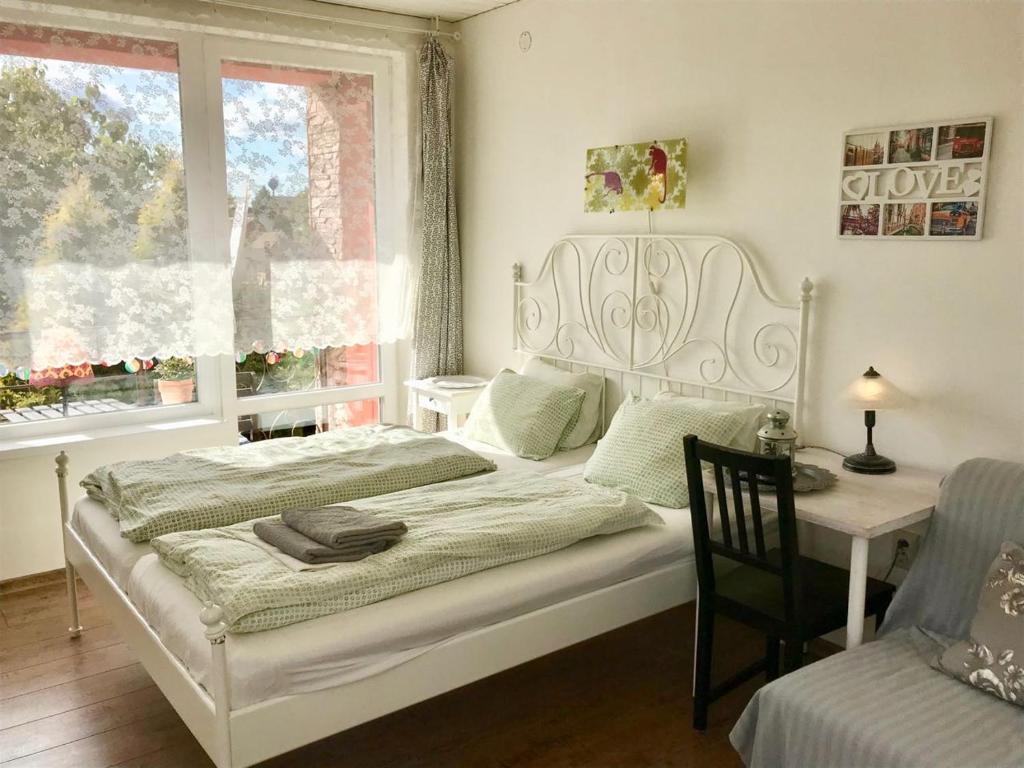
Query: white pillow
column 752, row 415
column 588, row 425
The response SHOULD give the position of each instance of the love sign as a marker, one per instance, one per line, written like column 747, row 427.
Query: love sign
column 922, row 181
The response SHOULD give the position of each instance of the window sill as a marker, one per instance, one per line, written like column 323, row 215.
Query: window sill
column 19, row 448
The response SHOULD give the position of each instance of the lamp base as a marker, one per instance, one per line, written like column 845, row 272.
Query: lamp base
column 869, row 464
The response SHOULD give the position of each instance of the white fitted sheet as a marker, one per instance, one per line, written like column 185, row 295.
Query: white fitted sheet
column 102, row 535
column 345, row 647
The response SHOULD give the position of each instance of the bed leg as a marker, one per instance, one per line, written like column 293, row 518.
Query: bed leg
column 74, row 624
column 212, row 616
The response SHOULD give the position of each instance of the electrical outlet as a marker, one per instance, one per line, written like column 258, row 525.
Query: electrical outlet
column 905, row 546
column 902, row 557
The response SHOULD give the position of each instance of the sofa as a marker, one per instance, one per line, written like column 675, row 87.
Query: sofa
column 883, row 705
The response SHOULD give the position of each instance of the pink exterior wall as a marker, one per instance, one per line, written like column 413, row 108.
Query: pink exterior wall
column 341, row 206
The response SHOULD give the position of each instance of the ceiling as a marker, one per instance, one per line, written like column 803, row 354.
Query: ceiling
column 446, row 10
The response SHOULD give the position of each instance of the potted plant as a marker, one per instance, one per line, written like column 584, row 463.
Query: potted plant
column 175, row 380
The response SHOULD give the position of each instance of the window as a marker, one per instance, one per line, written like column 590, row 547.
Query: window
column 300, row 175
column 123, row 292
column 93, row 194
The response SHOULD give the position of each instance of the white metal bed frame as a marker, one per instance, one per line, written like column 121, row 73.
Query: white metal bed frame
column 235, row 738
column 630, row 326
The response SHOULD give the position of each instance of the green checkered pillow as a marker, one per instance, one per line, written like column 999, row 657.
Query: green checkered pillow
column 523, row 415
column 642, row 452
column 588, row 425
column 752, row 413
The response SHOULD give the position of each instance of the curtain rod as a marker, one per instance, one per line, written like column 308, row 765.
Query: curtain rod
column 334, row 19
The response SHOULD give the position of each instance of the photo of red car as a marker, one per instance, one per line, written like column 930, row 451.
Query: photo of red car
column 961, row 142
column 968, row 146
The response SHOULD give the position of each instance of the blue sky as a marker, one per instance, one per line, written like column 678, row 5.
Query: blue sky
column 265, row 134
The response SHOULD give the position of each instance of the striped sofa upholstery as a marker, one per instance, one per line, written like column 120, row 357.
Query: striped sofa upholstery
column 882, row 705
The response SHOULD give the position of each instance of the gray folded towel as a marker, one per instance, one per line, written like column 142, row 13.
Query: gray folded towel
column 291, row 542
column 340, row 526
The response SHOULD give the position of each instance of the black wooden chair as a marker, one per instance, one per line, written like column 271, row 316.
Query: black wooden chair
column 792, row 599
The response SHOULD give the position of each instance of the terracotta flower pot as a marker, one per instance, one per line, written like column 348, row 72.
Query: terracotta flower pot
column 175, row 392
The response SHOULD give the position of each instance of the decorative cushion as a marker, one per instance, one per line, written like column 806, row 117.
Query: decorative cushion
column 642, row 452
column 992, row 658
column 588, row 425
column 752, row 414
column 523, row 415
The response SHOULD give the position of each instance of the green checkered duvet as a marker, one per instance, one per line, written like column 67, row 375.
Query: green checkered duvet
column 213, row 487
column 455, row 529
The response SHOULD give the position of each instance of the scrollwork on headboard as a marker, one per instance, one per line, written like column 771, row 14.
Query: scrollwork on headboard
column 689, row 309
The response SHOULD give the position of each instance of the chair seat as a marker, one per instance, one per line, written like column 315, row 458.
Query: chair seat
column 755, row 594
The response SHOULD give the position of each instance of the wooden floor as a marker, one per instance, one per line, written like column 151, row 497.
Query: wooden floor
column 621, row 699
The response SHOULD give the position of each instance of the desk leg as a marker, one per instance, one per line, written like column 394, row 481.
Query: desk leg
column 858, row 586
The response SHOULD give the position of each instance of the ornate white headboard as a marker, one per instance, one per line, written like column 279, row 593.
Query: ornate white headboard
column 686, row 312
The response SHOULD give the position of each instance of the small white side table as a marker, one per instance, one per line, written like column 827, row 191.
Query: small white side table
column 453, row 403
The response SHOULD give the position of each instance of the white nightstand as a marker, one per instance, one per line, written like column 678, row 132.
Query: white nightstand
column 453, row 403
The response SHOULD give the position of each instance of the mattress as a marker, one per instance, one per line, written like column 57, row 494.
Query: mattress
column 345, row 647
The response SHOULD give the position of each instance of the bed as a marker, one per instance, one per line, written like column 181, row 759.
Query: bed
column 637, row 309
column 345, row 647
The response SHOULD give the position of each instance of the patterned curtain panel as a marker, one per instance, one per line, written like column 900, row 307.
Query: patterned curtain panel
column 437, row 345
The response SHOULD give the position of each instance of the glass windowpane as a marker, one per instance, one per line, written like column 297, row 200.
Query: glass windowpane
column 92, row 200
column 299, row 146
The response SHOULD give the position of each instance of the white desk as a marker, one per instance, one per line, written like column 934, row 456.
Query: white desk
column 863, row 507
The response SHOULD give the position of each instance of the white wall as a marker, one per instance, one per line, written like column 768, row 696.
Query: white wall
column 764, row 92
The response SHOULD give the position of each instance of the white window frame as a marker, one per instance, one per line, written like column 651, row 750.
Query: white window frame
column 203, row 152
column 219, row 49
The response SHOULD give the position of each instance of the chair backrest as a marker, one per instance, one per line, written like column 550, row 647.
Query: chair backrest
column 980, row 506
column 733, row 473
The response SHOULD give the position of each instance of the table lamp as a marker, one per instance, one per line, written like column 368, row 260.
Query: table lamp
column 872, row 392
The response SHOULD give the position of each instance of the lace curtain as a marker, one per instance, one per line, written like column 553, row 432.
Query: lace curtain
column 96, row 263
column 300, row 161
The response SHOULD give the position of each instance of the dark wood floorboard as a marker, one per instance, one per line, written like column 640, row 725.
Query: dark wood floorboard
column 68, row 669
column 621, row 699
column 45, row 651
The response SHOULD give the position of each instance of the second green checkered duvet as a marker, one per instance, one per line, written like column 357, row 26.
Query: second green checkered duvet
column 455, row 529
